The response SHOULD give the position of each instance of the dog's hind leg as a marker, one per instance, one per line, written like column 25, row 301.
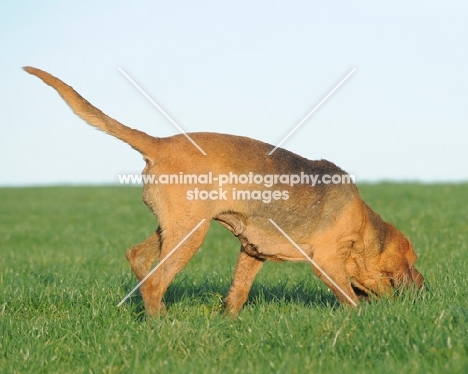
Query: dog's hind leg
column 246, row 269
column 142, row 255
column 156, row 285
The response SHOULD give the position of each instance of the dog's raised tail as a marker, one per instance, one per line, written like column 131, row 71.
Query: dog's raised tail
column 139, row 140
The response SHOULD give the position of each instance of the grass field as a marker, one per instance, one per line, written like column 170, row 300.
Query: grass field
column 63, row 272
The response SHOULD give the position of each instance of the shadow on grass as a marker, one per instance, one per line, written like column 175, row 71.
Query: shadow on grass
column 300, row 293
column 211, row 294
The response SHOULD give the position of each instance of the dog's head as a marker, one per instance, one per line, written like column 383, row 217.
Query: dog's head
column 388, row 262
column 396, row 264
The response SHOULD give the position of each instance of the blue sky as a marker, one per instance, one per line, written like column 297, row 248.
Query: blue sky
column 252, row 68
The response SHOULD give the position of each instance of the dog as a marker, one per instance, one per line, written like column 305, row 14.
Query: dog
column 355, row 253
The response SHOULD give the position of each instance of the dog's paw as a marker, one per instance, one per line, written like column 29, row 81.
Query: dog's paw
column 156, row 311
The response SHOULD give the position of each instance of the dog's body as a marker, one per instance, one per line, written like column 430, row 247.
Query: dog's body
column 330, row 222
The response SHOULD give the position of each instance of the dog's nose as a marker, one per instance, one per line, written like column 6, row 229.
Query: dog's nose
column 426, row 287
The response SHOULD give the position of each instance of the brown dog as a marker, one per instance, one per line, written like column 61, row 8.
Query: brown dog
column 240, row 186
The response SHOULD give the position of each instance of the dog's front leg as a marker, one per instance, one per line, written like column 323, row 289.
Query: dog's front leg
column 142, row 255
column 333, row 273
column 246, row 269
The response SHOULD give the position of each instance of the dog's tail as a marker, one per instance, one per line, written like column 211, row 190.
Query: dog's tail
column 142, row 142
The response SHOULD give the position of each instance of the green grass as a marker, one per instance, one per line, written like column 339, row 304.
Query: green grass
column 63, row 272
